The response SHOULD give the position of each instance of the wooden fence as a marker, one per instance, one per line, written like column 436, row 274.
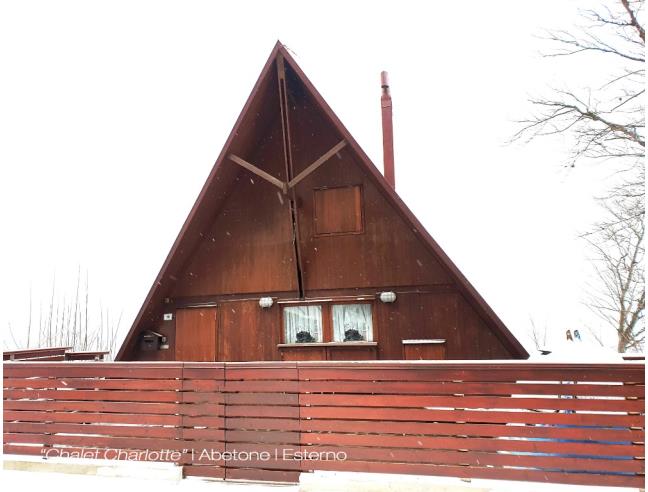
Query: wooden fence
column 53, row 354
column 562, row 423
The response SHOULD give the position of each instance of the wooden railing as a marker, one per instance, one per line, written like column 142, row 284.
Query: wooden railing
column 49, row 354
column 562, row 423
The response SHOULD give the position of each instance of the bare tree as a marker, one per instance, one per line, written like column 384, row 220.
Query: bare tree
column 618, row 246
column 606, row 121
column 65, row 321
column 29, row 323
column 538, row 335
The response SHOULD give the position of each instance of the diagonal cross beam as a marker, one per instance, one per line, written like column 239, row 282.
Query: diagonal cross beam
column 259, row 172
column 293, row 182
column 302, row 175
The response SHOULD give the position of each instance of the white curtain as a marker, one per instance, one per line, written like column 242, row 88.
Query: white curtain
column 352, row 317
column 302, row 319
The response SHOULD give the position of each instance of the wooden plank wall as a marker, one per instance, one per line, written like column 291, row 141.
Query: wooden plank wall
column 558, row 423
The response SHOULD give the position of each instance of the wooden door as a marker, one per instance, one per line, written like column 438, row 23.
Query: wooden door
column 196, row 334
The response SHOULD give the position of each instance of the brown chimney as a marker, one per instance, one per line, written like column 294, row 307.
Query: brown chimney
column 388, row 131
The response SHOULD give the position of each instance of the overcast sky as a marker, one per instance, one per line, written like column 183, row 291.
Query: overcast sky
column 113, row 113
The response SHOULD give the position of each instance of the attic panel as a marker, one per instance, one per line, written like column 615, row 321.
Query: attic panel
column 248, row 247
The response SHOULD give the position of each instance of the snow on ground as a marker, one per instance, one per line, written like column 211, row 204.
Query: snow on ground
column 27, row 480
column 326, row 481
column 320, row 482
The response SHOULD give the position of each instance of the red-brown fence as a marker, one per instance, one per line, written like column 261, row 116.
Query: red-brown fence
column 562, row 423
column 53, row 354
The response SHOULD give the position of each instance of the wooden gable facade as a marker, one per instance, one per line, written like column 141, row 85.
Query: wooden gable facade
column 290, row 244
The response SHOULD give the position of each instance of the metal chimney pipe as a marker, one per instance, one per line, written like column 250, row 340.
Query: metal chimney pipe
column 388, row 131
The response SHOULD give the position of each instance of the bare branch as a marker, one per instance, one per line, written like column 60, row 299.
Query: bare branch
column 617, row 243
column 604, row 123
column 633, row 20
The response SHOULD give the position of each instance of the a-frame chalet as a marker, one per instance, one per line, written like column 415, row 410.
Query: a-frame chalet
column 298, row 248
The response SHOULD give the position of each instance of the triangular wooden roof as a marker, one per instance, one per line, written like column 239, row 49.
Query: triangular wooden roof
column 222, row 177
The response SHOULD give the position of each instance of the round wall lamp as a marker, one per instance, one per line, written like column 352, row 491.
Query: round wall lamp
column 266, row 302
column 388, row 297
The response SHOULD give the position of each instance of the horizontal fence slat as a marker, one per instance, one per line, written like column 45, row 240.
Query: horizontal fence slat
column 202, row 385
column 91, row 417
column 451, row 388
column 262, row 475
column 201, row 397
column 490, row 416
column 93, row 406
column 92, row 383
column 93, row 429
column 262, row 399
column 204, row 372
column 270, row 386
column 536, row 446
column 109, row 442
column 86, row 395
column 467, row 429
column 203, row 434
column 258, row 423
column 202, row 409
column 490, row 402
column 453, row 457
column 257, row 436
column 204, row 471
column 84, row 369
column 282, row 412
column 213, row 421
column 494, row 373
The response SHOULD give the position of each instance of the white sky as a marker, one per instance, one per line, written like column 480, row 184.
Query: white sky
column 113, row 113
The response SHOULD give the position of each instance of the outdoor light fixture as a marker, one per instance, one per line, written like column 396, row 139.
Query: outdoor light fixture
column 388, row 297
column 266, row 302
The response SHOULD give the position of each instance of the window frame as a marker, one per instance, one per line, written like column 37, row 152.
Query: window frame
column 344, row 233
column 327, row 319
column 299, row 304
column 351, row 301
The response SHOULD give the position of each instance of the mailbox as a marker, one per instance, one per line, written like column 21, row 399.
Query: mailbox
column 152, row 340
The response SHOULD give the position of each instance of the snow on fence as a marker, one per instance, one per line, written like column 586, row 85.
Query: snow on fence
column 547, row 422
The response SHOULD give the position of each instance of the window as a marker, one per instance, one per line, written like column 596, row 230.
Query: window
column 348, row 322
column 303, row 324
column 338, row 210
column 352, row 322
